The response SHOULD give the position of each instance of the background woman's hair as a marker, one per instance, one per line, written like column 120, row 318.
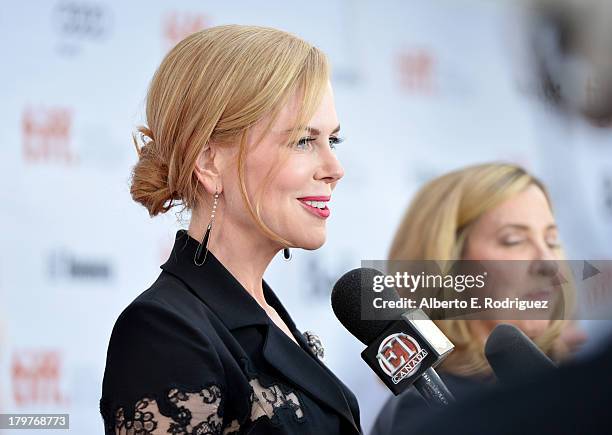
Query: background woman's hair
column 436, row 226
column 213, row 86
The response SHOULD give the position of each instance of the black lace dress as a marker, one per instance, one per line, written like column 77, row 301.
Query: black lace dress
column 196, row 354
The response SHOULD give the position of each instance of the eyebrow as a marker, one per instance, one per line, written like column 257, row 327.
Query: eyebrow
column 525, row 227
column 314, row 131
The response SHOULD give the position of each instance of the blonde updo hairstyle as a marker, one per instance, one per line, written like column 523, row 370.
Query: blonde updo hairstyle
column 436, row 227
column 214, row 86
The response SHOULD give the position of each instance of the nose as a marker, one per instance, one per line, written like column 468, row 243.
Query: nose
column 547, row 268
column 330, row 170
column 544, row 263
column 543, row 251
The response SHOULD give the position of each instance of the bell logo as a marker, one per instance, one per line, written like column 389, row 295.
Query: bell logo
column 399, row 356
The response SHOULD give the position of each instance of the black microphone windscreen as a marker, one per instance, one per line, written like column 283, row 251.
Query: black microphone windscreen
column 346, row 301
column 512, row 354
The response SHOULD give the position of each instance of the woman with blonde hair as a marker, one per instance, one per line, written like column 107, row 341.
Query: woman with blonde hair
column 241, row 126
column 485, row 212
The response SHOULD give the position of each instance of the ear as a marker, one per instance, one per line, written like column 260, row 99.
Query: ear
column 206, row 169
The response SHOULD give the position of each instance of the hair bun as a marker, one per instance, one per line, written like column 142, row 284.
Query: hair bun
column 149, row 181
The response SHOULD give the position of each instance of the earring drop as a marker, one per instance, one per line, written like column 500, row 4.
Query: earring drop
column 206, row 238
column 287, row 254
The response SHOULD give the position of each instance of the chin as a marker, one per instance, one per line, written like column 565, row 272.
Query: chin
column 311, row 243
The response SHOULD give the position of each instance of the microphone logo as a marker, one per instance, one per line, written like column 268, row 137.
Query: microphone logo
column 399, row 356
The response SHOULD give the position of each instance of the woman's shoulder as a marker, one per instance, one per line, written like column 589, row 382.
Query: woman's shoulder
column 158, row 348
column 170, row 291
column 164, row 323
column 168, row 301
column 167, row 316
column 159, row 366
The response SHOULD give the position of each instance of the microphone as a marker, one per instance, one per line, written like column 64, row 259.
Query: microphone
column 401, row 352
column 511, row 354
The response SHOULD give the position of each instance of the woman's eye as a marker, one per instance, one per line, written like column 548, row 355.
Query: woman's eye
column 333, row 141
column 305, row 143
column 553, row 244
column 511, row 242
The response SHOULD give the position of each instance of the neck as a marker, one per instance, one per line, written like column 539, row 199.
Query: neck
column 243, row 252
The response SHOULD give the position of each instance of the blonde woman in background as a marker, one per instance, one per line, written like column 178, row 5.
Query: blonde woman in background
column 241, row 127
column 486, row 212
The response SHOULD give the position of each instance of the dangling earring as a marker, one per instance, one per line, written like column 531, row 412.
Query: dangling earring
column 287, row 254
column 206, row 238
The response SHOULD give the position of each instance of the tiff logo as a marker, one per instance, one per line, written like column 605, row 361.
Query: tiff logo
column 46, row 135
column 416, row 70
column 177, row 26
column 36, row 376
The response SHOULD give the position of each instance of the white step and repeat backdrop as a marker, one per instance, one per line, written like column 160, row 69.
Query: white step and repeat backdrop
column 421, row 88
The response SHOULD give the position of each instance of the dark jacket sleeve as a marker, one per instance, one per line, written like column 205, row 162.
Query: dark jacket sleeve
column 162, row 375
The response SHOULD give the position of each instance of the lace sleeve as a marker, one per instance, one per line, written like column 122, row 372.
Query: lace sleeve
column 193, row 413
column 162, row 377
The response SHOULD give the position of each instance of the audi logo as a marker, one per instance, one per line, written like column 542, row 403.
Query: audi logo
column 82, row 20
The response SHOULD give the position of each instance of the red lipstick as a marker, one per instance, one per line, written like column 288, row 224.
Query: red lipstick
column 323, row 212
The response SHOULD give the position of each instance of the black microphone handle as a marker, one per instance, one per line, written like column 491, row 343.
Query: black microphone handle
column 433, row 389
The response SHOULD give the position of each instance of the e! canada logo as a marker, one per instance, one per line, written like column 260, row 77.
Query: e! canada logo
column 399, row 356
